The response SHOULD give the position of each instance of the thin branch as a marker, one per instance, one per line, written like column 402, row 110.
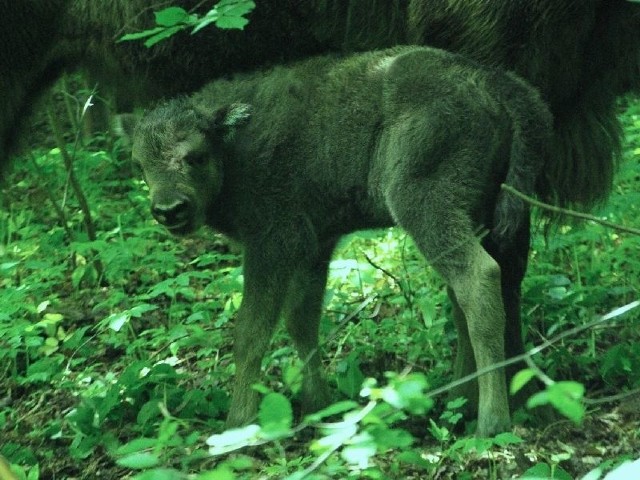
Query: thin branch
column 534, row 351
column 62, row 218
column 612, row 398
column 337, row 329
column 68, row 159
column 71, row 177
column 567, row 212
column 548, row 381
column 382, row 269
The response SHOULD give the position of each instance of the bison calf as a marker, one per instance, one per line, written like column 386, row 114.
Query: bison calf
column 288, row 160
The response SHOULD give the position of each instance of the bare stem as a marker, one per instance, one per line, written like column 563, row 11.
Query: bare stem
column 568, row 212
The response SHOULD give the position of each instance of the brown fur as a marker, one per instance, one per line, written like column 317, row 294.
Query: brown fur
column 287, row 161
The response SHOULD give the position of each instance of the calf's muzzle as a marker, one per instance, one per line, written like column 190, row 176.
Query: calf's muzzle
column 176, row 215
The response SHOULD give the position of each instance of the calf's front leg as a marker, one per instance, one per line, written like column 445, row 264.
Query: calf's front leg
column 302, row 313
column 265, row 283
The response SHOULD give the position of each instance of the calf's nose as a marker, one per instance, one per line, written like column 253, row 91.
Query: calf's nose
column 174, row 213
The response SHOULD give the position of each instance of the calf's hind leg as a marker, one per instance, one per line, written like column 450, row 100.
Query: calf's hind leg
column 465, row 362
column 478, row 292
column 512, row 259
column 445, row 237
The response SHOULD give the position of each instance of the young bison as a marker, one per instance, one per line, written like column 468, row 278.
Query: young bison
column 289, row 160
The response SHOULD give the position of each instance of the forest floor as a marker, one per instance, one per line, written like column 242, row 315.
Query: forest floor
column 115, row 352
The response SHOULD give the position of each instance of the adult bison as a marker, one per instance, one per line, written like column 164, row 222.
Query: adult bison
column 581, row 54
column 41, row 38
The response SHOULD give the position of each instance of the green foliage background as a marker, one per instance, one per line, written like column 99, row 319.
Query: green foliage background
column 115, row 353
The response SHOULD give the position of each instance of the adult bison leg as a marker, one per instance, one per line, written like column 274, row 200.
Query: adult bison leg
column 266, row 276
column 302, row 316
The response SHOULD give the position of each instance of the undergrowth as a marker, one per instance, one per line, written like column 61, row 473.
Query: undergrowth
column 115, row 353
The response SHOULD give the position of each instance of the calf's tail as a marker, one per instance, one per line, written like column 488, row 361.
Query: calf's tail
column 532, row 127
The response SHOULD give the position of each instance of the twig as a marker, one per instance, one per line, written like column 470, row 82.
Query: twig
column 337, row 328
column 68, row 159
column 406, row 293
column 548, row 381
column 567, row 212
column 612, row 398
column 534, row 351
column 382, row 269
column 71, row 177
column 59, row 211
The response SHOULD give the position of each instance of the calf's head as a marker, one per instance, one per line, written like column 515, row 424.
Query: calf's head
column 181, row 149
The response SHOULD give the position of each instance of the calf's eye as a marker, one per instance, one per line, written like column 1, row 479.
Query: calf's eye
column 194, row 159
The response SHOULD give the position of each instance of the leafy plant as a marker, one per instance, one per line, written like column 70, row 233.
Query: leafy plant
column 227, row 14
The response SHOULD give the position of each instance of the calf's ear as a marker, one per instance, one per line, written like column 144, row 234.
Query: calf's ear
column 231, row 116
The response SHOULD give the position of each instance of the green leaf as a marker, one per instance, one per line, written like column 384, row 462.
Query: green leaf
column 139, row 460
column 456, row 403
column 227, row 14
column 349, row 376
column 275, row 415
column 414, row 458
column 561, row 474
column 292, row 376
column 408, row 393
column 441, row 434
column 52, row 317
column 118, row 320
column 239, row 7
column 232, row 23
column 362, row 448
column 140, row 35
column 76, row 276
column 163, row 35
column 8, row 265
column 223, row 472
column 233, row 439
column 148, row 412
column 593, row 474
column 386, row 437
column 43, row 369
column 335, row 436
column 520, row 379
column 159, row 474
column 334, row 409
column 171, row 16
column 566, row 397
column 142, row 308
column 34, row 473
column 507, row 438
column 539, row 471
column 136, row 445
